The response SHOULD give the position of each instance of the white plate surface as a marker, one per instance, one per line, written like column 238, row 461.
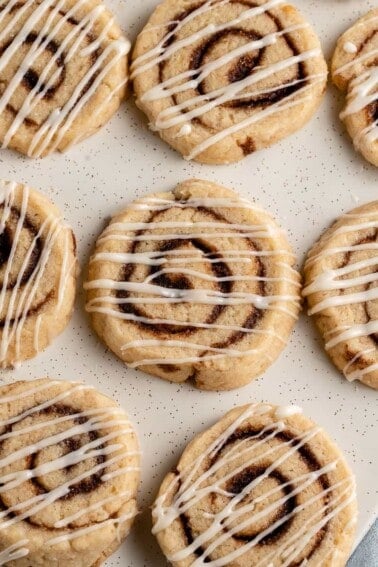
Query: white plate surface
column 307, row 181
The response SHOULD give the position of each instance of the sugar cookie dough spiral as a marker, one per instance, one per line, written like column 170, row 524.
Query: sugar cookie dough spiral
column 194, row 284
column 63, row 72
column 38, row 269
column 355, row 72
column 262, row 487
column 219, row 79
column 69, row 470
column 342, row 292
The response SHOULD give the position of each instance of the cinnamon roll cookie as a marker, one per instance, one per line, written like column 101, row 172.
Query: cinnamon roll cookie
column 264, row 487
column 355, row 72
column 38, row 270
column 342, row 292
column 69, row 468
column 219, row 79
column 194, row 284
column 63, row 72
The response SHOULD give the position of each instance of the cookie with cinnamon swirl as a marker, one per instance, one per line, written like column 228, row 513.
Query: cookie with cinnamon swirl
column 69, row 470
column 264, row 487
column 38, row 270
column 219, row 79
column 355, row 73
column 196, row 284
column 342, row 292
column 63, row 72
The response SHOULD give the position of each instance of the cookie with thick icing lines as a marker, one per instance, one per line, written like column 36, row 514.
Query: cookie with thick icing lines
column 38, row 270
column 194, row 284
column 69, row 468
column 264, row 487
column 355, row 72
column 219, row 79
column 341, row 287
column 63, row 72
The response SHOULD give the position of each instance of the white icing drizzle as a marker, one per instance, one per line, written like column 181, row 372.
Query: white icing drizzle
column 159, row 204
column 155, row 259
column 13, row 552
column 200, row 296
column 185, row 130
column 19, row 300
column 188, row 488
column 283, row 412
column 363, row 88
column 363, row 92
column 84, row 531
column 149, row 293
column 341, row 280
column 351, row 376
column 52, row 130
column 350, row 47
column 92, row 307
column 198, row 105
column 86, row 421
column 220, row 352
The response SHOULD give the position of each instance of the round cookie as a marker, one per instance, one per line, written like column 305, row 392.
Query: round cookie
column 221, row 79
column 69, row 464
column 194, row 284
column 63, row 72
column 341, row 287
column 265, row 487
column 38, row 269
column 355, row 72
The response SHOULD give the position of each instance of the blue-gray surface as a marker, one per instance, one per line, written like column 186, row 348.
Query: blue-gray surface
column 366, row 554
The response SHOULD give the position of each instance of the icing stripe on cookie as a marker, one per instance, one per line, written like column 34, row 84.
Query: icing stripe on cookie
column 193, row 103
column 226, row 483
column 194, row 243
column 50, row 18
column 90, row 441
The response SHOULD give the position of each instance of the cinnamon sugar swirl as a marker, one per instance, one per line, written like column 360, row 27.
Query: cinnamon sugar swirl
column 38, row 269
column 69, row 472
column 219, row 79
column 265, row 487
column 355, row 72
column 342, row 292
column 194, row 284
column 63, row 72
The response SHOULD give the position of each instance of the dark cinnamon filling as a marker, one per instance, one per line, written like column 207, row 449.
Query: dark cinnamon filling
column 361, row 362
column 243, row 66
column 7, row 242
column 242, row 479
column 32, row 78
column 85, row 486
column 176, row 281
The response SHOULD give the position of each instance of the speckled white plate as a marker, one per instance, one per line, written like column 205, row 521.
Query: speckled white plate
column 306, row 181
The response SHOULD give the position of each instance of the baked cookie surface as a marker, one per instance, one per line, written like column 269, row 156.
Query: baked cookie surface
column 38, row 270
column 341, row 287
column 355, row 72
column 194, row 284
column 69, row 464
column 265, row 487
column 221, row 79
column 63, row 72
